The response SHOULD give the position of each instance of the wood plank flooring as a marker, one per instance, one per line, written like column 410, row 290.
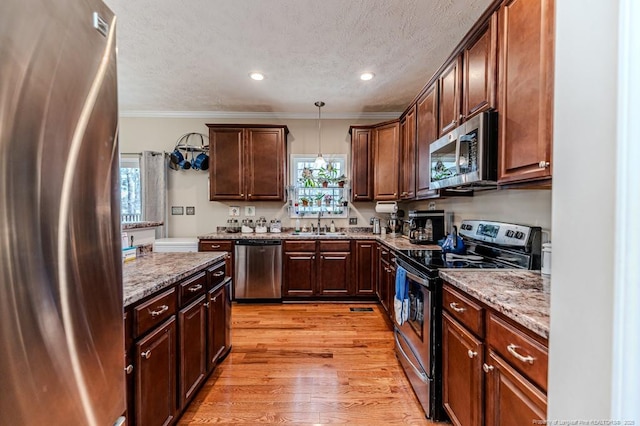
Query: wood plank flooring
column 308, row 364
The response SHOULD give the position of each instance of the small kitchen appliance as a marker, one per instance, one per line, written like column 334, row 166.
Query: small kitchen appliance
column 426, row 226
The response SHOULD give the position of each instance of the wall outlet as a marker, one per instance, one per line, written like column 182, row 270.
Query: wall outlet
column 353, row 221
column 177, row 210
column 191, row 210
column 432, row 205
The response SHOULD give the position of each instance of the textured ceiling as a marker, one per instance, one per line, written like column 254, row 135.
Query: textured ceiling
column 187, row 56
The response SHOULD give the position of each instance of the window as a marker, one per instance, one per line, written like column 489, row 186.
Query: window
column 130, row 189
column 318, row 190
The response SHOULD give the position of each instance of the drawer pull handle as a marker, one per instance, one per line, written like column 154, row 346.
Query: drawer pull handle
column 129, row 369
column 512, row 350
column 215, row 245
column 471, row 353
column 146, row 354
column 195, row 288
column 455, row 307
column 162, row 310
column 487, row 368
column 218, row 274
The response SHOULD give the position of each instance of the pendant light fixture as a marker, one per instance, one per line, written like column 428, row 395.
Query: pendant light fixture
column 319, row 162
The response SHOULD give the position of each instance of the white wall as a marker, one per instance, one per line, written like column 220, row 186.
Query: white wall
column 580, row 352
column 190, row 187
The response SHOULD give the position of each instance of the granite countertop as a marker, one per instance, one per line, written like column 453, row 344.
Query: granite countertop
column 154, row 271
column 520, row 295
column 140, row 225
column 394, row 242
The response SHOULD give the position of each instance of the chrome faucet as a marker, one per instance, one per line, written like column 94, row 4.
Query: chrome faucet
column 319, row 215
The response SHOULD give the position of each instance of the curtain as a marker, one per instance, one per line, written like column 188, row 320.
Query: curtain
column 154, row 190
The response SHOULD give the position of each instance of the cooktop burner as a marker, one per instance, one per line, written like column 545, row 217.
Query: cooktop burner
column 432, row 260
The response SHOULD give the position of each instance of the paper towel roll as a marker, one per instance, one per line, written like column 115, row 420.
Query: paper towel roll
column 386, row 207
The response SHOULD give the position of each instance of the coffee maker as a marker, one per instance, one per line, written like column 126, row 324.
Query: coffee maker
column 426, row 226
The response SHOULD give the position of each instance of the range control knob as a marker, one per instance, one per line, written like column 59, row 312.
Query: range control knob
column 510, row 233
column 519, row 235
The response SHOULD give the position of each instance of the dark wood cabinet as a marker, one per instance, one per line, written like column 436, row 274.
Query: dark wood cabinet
column 299, row 274
column 408, row 155
column 361, row 163
column 155, row 384
column 479, row 70
column 525, row 90
column 365, row 267
column 384, row 277
column 247, row 162
column 220, row 245
column 511, row 399
column 449, row 84
column 219, row 323
column 386, row 143
column 334, row 273
column 426, row 133
column 192, row 324
column 461, row 374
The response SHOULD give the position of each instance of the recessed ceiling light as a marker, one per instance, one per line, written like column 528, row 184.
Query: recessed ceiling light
column 366, row 76
column 256, row 76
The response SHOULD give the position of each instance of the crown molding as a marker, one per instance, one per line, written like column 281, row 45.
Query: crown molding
column 261, row 115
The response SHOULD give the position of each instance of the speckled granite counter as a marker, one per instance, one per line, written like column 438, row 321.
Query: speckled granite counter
column 155, row 271
column 520, row 295
column 396, row 243
column 140, row 225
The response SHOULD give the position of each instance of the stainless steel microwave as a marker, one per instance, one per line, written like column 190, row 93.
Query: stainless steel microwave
column 466, row 156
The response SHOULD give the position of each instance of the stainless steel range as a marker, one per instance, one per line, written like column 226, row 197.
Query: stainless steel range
column 489, row 245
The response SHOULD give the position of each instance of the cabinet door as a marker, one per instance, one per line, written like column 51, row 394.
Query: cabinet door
column 299, row 274
column 155, row 388
column 265, row 163
column 449, row 102
column 386, row 153
column 226, row 162
column 408, row 168
column 461, row 374
column 334, row 274
column 383, row 293
column 220, row 245
column 525, row 90
column 217, row 325
column 479, row 75
column 192, row 322
column 427, row 132
column 510, row 398
column 365, row 268
column 391, row 285
column 361, row 164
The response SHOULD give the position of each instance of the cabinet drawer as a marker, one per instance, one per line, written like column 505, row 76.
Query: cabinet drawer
column 343, row 245
column 299, row 246
column 192, row 287
column 152, row 312
column 216, row 274
column 384, row 253
column 464, row 310
column 524, row 353
column 215, row 245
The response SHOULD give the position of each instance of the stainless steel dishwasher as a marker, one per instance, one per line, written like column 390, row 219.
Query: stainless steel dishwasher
column 258, row 273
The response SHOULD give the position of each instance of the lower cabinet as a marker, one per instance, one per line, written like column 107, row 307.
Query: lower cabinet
column 317, row 269
column 365, row 267
column 385, row 285
column 494, row 371
column 175, row 338
column 155, row 383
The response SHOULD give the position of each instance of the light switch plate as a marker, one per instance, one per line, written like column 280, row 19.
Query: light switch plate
column 177, row 210
column 249, row 211
column 353, row 221
column 191, row 210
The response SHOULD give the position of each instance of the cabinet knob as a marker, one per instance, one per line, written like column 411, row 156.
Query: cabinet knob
column 129, row 369
column 249, row 195
column 543, row 164
column 471, row 353
column 146, row 354
column 487, row 368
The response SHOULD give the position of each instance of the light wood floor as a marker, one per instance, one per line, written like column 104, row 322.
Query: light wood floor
column 308, row 364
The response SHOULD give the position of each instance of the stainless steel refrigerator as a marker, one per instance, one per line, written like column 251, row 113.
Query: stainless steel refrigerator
column 61, row 326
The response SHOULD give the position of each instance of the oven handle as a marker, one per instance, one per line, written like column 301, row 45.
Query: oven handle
column 418, row 279
column 420, row 374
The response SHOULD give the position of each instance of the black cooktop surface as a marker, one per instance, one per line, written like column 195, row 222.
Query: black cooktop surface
column 429, row 261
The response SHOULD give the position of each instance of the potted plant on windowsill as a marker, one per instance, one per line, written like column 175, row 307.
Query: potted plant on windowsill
column 304, row 201
column 327, row 199
column 318, row 199
column 306, row 178
column 342, row 180
column 327, row 174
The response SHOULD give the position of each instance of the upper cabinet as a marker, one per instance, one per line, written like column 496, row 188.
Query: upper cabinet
column 449, row 101
column 361, row 163
column 479, row 70
column 525, row 90
column 408, row 155
column 426, row 132
column 247, row 162
column 386, row 153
